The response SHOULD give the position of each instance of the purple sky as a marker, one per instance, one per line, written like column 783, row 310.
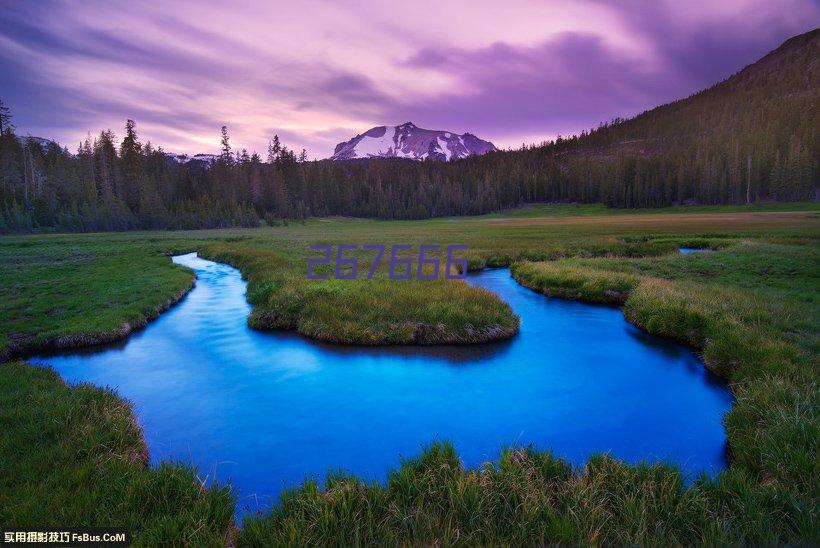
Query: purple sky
column 319, row 72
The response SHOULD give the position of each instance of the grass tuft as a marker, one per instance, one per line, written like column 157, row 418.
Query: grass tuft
column 367, row 312
column 75, row 455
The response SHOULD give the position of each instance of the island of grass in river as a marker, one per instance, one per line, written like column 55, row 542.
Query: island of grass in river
column 751, row 308
column 268, row 410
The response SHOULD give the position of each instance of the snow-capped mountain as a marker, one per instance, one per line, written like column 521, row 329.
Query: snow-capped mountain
column 195, row 160
column 206, row 159
column 40, row 141
column 409, row 141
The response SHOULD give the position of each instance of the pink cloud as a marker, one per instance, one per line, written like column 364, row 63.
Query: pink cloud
column 319, row 72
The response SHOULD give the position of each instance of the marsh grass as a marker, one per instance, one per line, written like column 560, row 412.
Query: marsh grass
column 73, row 454
column 573, row 210
column 63, row 296
column 760, row 344
column 368, row 312
column 526, row 498
column 769, row 494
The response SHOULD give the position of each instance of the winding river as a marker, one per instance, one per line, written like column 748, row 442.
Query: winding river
column 266, row 410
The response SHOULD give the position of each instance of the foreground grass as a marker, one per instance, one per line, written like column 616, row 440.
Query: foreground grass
column 75, row 456
column 752, row 309
column 527, row 498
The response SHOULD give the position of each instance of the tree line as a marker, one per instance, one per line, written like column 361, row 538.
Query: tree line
column 752, row 137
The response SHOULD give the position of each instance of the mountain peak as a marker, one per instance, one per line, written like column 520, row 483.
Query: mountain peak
column 410, row 141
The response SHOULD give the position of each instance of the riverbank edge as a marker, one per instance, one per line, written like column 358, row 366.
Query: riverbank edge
column 713, row 324
column 16, row 351
column 608, row 295
column 606, row 287
column 258, row 269
column 76, row 455
column 764, row 496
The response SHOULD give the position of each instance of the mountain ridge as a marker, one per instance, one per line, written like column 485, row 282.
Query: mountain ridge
column 410, row 141
column 720, row 106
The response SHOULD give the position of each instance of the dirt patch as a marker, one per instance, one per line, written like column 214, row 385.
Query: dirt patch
column 775, row 219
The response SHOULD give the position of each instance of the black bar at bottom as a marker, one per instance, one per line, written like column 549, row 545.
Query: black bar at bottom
column 64, row 536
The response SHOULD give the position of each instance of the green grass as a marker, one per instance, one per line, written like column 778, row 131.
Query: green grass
column 75, row 456
column 567, row 210
column 759, row 331
column 376, row 311
column 751, row 308
column 60, row 294
column 527, row 498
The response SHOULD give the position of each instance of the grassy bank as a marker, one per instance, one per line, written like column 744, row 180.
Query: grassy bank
column 83, row 288
column 76, row 456
column 751, row 307
column 376, row 311
column 762, row 337
column 60, row 295
column 526, row 498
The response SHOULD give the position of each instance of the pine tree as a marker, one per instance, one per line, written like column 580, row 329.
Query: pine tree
column 274, row 148
column 226, row 146
column 133, row 185
column 690, row 151
column 5, row 118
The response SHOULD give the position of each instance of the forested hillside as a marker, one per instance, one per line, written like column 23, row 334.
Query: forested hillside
column 751, row 137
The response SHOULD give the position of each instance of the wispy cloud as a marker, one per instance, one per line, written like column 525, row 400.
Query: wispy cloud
column 317, row 72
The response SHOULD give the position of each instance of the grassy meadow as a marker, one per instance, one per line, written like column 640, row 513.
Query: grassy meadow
column 751, row 308
column 75, row 455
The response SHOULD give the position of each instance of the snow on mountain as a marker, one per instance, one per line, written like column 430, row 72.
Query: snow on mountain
column 196, row 160
column 410, row 141
column 207, row 159
column 42, row 142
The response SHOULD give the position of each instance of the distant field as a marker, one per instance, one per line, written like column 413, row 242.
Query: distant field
column 752, row 308
column 674, row 221
column 90, row 286
column 567, row 210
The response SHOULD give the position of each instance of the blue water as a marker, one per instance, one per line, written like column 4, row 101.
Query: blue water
column 266, row 410
column 688, row 250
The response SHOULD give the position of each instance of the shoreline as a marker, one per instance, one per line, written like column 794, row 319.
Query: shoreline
column 87, row 340
column 397, row 332
column 748, row 433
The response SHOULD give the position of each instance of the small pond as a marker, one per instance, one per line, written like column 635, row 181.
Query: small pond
column 266, row 410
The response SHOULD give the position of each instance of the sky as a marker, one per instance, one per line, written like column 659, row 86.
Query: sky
column 318, row 72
